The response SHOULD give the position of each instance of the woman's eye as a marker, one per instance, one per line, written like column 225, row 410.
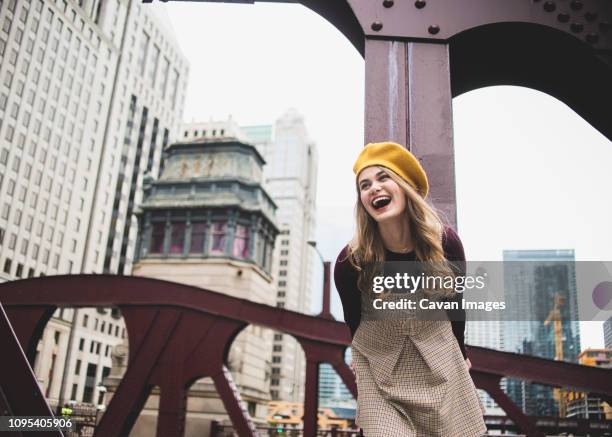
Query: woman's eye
column 383, row 177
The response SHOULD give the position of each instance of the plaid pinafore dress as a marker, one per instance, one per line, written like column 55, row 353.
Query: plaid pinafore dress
column 413, row 381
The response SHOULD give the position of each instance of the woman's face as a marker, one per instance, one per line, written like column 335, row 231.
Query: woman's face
column 382, row 198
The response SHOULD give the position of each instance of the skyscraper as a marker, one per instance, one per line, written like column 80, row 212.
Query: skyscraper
column 532, row 279
column 291, row 177
column 91, row 90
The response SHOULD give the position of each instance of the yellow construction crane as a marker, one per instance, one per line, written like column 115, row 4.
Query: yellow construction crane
column 555, row 317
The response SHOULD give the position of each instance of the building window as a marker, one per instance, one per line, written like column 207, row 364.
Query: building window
column 85, row 320
column 7, row 266
column 157, row 238
column 218, row 238
column 198, row 233
column 77, row 368
column 177, row 237
column 241, row 242
column 19, row 271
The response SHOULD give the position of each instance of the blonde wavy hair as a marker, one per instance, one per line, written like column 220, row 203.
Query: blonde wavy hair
column 366, row 251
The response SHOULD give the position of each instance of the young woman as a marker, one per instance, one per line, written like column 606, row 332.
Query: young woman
column 412, row 375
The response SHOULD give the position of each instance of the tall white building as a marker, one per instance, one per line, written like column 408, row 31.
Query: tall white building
column 90, row 91
column 290, row 176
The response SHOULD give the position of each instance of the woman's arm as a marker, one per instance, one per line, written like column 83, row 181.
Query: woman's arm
column 345, row 278
column 453, row 250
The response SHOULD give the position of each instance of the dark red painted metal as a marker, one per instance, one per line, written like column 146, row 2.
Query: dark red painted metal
column 326, row 311
column 178, row 334
column 491, row 384
column 563, row 51
column 408, row 100
column 20, row 394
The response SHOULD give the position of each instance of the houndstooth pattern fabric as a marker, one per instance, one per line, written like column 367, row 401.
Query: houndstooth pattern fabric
column 412, row 381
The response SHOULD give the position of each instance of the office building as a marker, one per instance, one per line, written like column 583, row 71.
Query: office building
column 533, row 279
column 90, row 91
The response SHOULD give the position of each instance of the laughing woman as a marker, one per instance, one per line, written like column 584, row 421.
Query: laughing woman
column 413, row 377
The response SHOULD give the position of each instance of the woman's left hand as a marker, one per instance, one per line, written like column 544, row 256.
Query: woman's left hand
column 469, row 363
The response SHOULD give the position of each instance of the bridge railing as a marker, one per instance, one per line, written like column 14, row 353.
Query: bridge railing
column 179, row 333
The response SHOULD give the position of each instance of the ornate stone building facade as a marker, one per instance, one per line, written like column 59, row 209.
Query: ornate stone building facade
column 208, row 222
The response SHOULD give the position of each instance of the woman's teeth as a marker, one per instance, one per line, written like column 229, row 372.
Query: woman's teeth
column 381, row 202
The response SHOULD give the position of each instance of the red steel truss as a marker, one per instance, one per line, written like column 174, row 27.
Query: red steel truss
column 178, row 334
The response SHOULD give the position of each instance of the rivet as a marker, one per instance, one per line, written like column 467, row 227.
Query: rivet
column 388, row 3
column 590, row 16
column 563, row 17
column 604, row 26
column 420, row 4
column 592, row 38
column 549, row 6
column 577, row 27
column 376, row 26
column 576, row 5
column 434, row 29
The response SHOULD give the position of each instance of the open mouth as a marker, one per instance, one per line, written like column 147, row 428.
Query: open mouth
column 381, row 202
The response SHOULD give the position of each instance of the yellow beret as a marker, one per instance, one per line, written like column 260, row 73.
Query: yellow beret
column 396, row 158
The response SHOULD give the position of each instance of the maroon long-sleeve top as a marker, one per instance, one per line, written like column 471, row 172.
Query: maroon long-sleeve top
column 345, row 277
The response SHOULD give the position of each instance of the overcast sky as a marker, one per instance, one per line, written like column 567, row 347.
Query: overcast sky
column 531, row 174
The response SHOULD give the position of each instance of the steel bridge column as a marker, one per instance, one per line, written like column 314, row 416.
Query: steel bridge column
column 408, row 100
